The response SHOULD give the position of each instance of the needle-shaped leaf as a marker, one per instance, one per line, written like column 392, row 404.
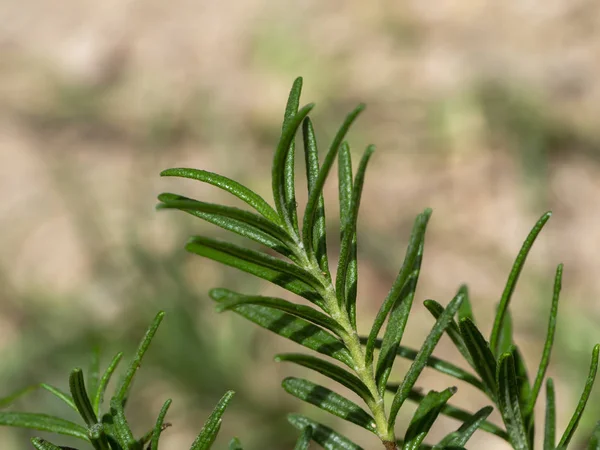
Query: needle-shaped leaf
column 426, row 414
column 465, row 310
column 93, row 373
column 280, row 162
column 291, row 327
column 43, row 422
column 120, row 426
column 329, row 401
column 461, row 436
column 348, row 243
column 329, row 370
column 229, row 300
column 322, row 435
column 160, row 424
column 585, row 395
column 509, row 402
column 512, row 281
column 505, row 339
column 539, row 379
column 421, row 359
column 81, row 397
column 594, row 443
column 303, row 441
column 481, row 355
column 211, row 427
column 550, row 419
column 41, row 444
column 311, row 158
column 124, row 386
column 416, row 239
column 345, row 201
column 104, row 380
column 6, row 401
column 310, row 214
column 281, row 273
column 235, row 444
column 233, row 187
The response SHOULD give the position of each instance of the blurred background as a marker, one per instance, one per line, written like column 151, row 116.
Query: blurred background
column 485, row 111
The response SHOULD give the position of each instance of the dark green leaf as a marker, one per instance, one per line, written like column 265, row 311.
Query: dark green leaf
column 99, row 397
column 211, row 427
column 481, row 355
column 421, row 359
column 41, row 444
column 281, row 273
column 329, row 401
column 461, row 436
column 465, row 310
column 426, row 414
column 550, row 423
column 303, row 441
column 416, row 239
column 291, row 327
column 574, row 422
column 233, row 187
column 159, row 427
column 81, row 398
column 509, row 402
column 43, row 422
column 235, row 444
column 512, row 281
column 329, row 370
column 121, row 426
column 316, row 192
column 322, row 435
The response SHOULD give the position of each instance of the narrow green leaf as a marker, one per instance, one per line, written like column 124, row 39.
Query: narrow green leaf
column 509, row 402
column 311, row 158
column 81, row 398
column 505, row 339
column 229, row 300
column 104, row 380
column 481, row 355
column 43, row 422
column 585, row 395
column 513, row 277
column 426, row 414
column 550, row 419
column 123, row 389
column 235, row 444
column 233, row 187
column 414, row 244
column 279, row 171
column 6, row 401
column 349, row 232
column 594, row 443
column 322, row 435
column 160, row 425
column 281, row 273
column 317, row 190
column 523, row 386
column 41, row 444
column 461, row 436
column 465, row 310
column 303, row 441
column 345, row 200
column 329, row 370
column 211, row 427
column 121, row 426
column 290, row 327
column 421, row 359
column 539, row 379
column 93, row 373
column 329, row 401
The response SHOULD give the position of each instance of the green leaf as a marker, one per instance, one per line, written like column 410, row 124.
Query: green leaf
column 329, row 401
column 6, row 401
column 41, row 444
column 235, row 444
column 121, row 426
column 461, row 436
column 512, row 281
column 281, row 273
column 594, row 443
column 509, row 401
column 329, row 370
column 322, row 435
column 81, row 398
column 280, row 170
column 585, row 395
column 311, row 157
column 93, row 373
column 43, row 422
column 349, row 233
column 99, row 397
column 291, row 327
column 233, row 187
column 210, row 429
column 465, row 310
column 303, row 441
column 229, row 300
column 550, row 424
column 427, row 412
column 421, row 359
column 403, row 278
column 481, row 355
column 316, row 192
column 125, row 385
column 159, row 427
column 539, row 379
column 505, row 339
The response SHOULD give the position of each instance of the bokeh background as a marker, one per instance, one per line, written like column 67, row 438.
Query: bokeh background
column 485, row 111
